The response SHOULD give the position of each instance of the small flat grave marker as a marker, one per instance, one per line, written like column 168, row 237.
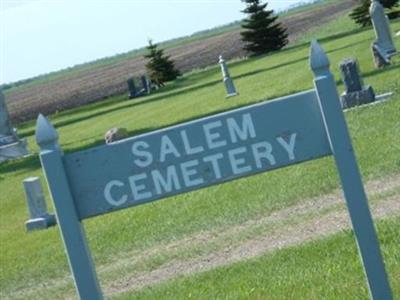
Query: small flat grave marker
column 229, row 145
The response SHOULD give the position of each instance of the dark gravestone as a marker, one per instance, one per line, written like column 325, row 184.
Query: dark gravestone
column 138, row 86
column 356, row 93
column 131, row 88
column 145, row 84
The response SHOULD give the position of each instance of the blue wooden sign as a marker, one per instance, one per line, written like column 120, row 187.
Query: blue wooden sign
column 196, row 154
column 205, row 152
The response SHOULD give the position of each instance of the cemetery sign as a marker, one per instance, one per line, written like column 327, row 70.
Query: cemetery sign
column 205, row 152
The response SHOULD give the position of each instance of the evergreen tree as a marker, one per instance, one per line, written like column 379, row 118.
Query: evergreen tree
column 160, row 67
column 262, row 32
column 360, row 14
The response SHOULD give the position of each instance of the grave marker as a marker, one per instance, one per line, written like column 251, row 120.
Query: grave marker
column 145, row 84
column 138, row 86
column 229, row 86
column 132, row 93
column 356, row 93
column 39, row 218
column 228, row 146
column 383, row 47
column 11, row 146
column 115, row 134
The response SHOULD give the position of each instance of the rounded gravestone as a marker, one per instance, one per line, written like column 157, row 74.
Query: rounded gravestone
column 115, row 134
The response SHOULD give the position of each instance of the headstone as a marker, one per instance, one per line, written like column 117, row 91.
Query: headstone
column 205, row 152
column 39, row 216
column 11, row 147
column 145, row 84
column 132, row 93
column 229, row 86
column 355, row 93
column 115, row 134
column 5, row 124
column 383, row 47
column 138, row 86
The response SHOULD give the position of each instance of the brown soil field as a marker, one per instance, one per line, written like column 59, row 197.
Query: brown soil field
column 101, row 82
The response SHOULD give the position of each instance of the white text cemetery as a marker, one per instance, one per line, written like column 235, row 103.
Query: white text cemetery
column 204, row 152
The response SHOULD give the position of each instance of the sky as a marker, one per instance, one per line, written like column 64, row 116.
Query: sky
column 41, row 36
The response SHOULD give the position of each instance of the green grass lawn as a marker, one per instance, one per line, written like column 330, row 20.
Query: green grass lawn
column 29, row 260
column 323, row 269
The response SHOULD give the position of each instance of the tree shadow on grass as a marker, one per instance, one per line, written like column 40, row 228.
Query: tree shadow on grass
column 261, row 70
column 25, row 164
column 379, row 71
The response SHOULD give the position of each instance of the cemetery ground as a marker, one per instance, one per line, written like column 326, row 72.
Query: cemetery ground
column 100, row 79
column 278, row 235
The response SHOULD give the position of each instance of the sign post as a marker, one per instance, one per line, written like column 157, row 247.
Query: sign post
column 72, row 232
column 228, row 146
column 350, row 177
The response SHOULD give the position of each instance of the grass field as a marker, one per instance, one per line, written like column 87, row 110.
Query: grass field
column 141, row 51
column 33, row 266
column 97, row 82
column 310, row 271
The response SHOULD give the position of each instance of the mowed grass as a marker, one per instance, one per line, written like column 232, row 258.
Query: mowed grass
column 329, row 268
column 31, row 259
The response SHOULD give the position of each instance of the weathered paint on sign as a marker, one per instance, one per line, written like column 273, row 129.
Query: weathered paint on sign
column 197, row 154
column 208, row 151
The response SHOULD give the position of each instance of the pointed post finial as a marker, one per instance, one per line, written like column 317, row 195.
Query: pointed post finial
column 319, row 61
column 46, row 135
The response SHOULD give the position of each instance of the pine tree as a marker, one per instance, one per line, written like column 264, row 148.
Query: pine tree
column 360, row 14
column 262, row 32
column 160, row 67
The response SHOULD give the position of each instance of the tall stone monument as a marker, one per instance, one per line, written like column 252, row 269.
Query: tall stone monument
column 138, row 86
column 383, row 47
column 145, row 84
column 11, row 146
column 230, row 87
column 132, row 93
column 356, row 93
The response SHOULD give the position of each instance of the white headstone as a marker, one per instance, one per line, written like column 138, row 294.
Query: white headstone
column 383, row 45
column 230, row 87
